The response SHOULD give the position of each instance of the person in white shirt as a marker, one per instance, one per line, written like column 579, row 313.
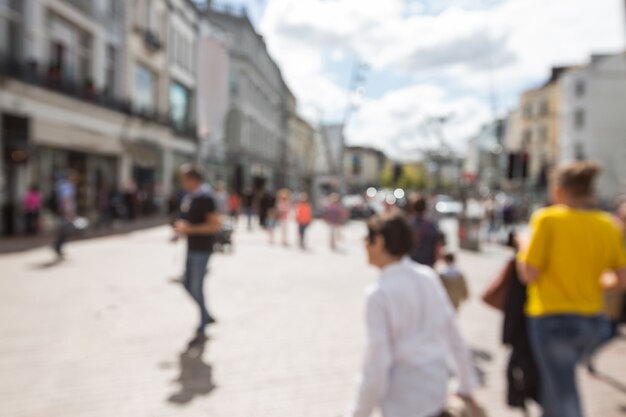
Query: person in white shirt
column 411, row 332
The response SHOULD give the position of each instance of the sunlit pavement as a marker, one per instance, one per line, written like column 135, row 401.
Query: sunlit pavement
column 105, row 333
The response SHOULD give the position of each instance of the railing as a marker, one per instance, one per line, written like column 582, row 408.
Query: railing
column 151, row 40
column 53, row 79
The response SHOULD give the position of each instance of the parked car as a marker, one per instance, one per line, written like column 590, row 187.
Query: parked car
column 447, row 206
column 357, row 207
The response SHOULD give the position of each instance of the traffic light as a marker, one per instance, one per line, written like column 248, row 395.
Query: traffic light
column 525, row 164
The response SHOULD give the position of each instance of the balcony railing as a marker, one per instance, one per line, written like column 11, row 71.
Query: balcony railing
column 52, row 78
column 151, row 40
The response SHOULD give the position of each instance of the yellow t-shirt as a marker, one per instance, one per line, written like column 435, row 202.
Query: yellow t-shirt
column 571, row 249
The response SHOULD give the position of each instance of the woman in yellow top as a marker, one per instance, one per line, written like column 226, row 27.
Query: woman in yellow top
column 570, row 248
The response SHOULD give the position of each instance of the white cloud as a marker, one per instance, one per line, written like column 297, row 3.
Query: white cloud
column 466, row 45
column 398, row 121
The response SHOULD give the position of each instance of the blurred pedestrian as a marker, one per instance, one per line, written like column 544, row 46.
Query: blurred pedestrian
column 248, row 206
column 522, row 373
column 411, row 330
column 427, row 238
column 304, row 217
column 32, row 209
column 234, row 207
column 66, row 203
column 220, row 196
column 334, row 215
column 200, row 222
column 491, row 214
column 267, row 212
column 614, row 296
column 454, row 281
column 283, row 210
column 571, row 246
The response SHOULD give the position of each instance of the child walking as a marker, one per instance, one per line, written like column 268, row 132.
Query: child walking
column 454, row 281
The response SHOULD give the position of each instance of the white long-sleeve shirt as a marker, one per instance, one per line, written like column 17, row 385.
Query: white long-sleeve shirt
column 411, row 332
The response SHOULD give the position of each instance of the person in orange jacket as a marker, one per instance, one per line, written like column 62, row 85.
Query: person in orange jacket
column 304, row 217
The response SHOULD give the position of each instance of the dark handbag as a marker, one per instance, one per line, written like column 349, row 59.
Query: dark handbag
column 498, row 291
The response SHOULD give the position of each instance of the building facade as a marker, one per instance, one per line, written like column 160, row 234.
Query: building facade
column 592, row 125
column 362, row 168
column 301, row 152
column 484, row 163
column 85, row 85
column 256, row 123
column 535, row 147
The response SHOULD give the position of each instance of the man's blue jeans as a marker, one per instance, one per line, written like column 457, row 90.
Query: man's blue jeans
column 195, row 271
column 559, row 343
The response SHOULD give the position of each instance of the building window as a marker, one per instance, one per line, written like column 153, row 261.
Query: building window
column 543, row 134
column 10, row 24
column 580, row 88
column 528, row 111
column 70, row 51
column 145, row 90
column 579, row 119
column 111, row 8
column 179, row 105
column 527, row 137
column 147, row 18
column 172, row 46
column 234, row 83
column 544, row 108
column 111, row 60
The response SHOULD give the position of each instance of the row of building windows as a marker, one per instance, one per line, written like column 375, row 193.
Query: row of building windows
column 182, row 50
column 541, row 109
column 146, row 96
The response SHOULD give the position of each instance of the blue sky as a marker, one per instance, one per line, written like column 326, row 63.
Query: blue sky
column 468, row 59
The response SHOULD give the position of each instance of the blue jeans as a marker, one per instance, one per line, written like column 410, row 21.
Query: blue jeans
column 195, row 271
column 559, row 343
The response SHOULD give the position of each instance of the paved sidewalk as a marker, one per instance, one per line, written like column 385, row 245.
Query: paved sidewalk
column 22, row 243
column 105, row 333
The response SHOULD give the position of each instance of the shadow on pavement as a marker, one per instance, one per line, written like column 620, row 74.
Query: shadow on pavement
column 481, row 357
column 196, row 376
column 48, row 265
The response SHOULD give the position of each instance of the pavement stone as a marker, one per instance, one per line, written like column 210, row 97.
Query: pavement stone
column 105, row 333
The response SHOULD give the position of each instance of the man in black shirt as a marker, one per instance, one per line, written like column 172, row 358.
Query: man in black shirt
column 200, row 222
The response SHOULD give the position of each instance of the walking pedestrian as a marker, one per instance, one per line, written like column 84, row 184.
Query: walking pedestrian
column 334, row 214
column 200, row 222
column 267, row 213
column 522, row 373
column 32, row 209
column 283, row 209
column 220, row 196
column 427, row 238
column 454, row 281
column 248, row 206
column 234, row 207
column 304, row 217
column 66, row 205
column 614, row 296
column 571, row 246
column 411, row 329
